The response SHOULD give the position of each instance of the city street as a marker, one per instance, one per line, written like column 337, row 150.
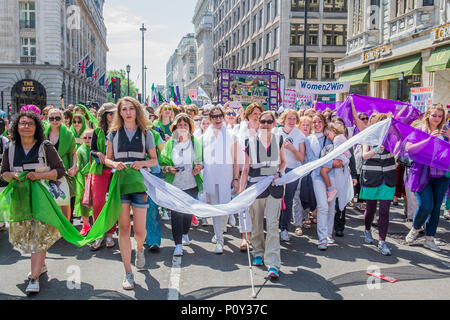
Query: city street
column 306, row 273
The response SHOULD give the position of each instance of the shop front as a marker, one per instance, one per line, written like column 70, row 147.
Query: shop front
column 360, row 80
column 26, row 92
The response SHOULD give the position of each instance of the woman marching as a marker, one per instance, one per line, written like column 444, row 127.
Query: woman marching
column 78, row 127
column 182, row 162
column 129, row 143
column 165, row 115
column 64, row 141
column 100, row 174
column 29, row 151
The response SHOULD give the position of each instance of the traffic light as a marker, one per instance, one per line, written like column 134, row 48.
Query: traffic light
column 139, row 98
column 115, row 86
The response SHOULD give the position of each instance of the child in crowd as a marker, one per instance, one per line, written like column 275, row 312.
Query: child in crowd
column 334, row 132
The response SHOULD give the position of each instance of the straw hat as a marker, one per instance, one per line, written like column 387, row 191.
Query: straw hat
column 107, row 107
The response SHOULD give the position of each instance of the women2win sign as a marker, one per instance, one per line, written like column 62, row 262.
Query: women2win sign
column 249, row 87
column 317, row 87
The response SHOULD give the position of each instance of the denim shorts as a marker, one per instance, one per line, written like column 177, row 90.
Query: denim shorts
column 137, row 200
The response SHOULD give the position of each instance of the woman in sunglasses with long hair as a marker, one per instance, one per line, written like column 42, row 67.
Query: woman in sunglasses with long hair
column 64, row 142
column 78, row 127
column 165, row 115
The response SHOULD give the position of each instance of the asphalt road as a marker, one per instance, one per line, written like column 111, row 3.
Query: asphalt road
column 306, row 274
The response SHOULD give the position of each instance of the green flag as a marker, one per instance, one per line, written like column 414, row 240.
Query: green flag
column 160, row 97
column 188, row 100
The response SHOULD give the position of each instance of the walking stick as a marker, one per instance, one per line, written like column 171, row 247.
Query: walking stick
column 248, row 255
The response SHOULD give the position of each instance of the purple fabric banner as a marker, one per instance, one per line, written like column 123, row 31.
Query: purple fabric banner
column 417, row 145
column 321, row 107
column 402, row 111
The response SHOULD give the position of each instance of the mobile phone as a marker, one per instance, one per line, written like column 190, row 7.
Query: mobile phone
column 289, row 139
column 180, row 169
column 445, row 127
column 97, row 160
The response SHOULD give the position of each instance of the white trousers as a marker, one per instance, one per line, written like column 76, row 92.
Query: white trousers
column 220, row 222
column 325, row 210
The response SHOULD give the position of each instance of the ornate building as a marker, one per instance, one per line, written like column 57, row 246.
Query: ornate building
column 41, row 44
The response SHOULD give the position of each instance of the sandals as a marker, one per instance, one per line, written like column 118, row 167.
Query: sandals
column 243, row 246
column 110, row 242
column 96, row 244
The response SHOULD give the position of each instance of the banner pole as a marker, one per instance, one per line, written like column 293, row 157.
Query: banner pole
column 248, row 254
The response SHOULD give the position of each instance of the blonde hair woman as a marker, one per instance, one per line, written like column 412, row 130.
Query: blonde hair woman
column 165, row 115
column 429, row 196
column 129, row 143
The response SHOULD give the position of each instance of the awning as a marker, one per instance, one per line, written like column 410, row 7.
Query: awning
column 391, row 70
column 439, row 59
column 358, row 76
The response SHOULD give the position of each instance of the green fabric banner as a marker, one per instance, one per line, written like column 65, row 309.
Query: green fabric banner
column 80, row 181
column 97, row 168
column 30, row 199
column 66, row 145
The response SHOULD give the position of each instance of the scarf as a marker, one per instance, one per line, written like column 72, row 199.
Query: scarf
column 97, row 168
column 91, row 117
column 80, row 180
column 66, row 145
column 79, row 135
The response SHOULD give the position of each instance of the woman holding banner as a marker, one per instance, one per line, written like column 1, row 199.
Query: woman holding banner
column 428, row 183
column 182, row 162
column 100, row 175
column 64, row 141
column 129, row 144
column 29, row 151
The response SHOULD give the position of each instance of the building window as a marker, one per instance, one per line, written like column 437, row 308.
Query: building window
column 254, row 51
column 27, row 15
column 254, row 22
column 334, row 35
column 327, row 68
column 259, row 47
column 275, row 7
column 276, row 37
column 297, row 30
column 268, row 42
column 311, row 68
column 276, row 65
column 313, row 34
column 357, row 16
column 335, row 5
column 404, row 6
column 28, row 46
column 269, row 11
column 299, row 5
column 296, row 68
column 260, row 19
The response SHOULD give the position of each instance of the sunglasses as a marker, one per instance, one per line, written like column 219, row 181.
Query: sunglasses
column 364, row 119
column 26, row 124
column 266, row 121
column 87, row 138
column 216, row 116
column 54, row 119
column 231, row 114
column 78, row 122
column 167, row 109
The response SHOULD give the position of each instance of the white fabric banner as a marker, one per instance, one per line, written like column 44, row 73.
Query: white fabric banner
column 168, row 196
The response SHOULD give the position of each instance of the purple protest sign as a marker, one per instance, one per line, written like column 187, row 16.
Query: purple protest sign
column 417, row 145
column 403, row 111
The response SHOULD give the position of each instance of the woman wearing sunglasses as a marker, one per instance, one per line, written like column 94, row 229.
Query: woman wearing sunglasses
column 130, row 144
column 78, row 127
column 165, row 114
column 64, row 141
column 231, row 120
column 265, row 156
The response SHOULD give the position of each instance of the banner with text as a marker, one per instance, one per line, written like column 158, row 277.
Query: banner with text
column 421, row 98
column 294, row 100
column 321, row 87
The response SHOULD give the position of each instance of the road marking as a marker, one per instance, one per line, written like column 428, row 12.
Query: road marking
column 174, row 281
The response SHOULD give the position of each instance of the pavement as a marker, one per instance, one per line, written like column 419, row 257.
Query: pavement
column 306, row 274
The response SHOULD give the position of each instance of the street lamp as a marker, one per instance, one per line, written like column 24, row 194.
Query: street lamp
column 401, row 79
column 305, row 32
column 128, row 78
column 143, row 29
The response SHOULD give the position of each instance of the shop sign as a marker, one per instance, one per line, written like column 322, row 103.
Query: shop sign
column 440, row 33
column 376, row 53
column 28, row 86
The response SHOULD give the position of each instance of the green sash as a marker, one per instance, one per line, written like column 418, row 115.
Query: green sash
column 166, row 160
column 159, row 124
column 97, row 168
column 91, row 117
column 79, row 135
column 80, row 181
column 66, row 145
column 37, row 202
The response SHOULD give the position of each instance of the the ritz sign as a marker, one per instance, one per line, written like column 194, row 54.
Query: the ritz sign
column 440, row 33
column 28, row 86
column 376, row 53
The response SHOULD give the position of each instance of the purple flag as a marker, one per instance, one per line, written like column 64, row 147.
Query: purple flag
column 402, row 111
column 178, row 99
column 417, row 145
column 321, row 107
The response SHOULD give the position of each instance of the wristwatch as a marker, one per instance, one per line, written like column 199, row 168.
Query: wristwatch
column 280, row 174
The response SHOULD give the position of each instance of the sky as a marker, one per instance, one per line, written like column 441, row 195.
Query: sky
column 167, row 21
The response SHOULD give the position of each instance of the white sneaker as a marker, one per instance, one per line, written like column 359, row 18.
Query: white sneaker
column 44, row 270
column 178, row 252
column 164, row 215
column 330, row 240
column 225, row 229
column 331, row 195
column 214, row 239
column 204, row 222
column 128, row 282
column 411, row 236
column 186, row 241
column 33, row 287
column 431, row 245
column 285, row 235
column 140, row 259
column 219, row 248
column 232, row 220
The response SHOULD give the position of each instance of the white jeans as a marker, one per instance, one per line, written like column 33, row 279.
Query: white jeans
column 298, row 213
column 325, row 210
column 219, row 222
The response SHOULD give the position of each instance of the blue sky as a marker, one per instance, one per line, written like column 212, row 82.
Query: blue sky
column 167, row 21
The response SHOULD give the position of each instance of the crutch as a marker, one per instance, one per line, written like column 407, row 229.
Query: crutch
column 248, row 254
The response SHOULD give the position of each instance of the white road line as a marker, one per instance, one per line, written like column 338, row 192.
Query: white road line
column 174, row 281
